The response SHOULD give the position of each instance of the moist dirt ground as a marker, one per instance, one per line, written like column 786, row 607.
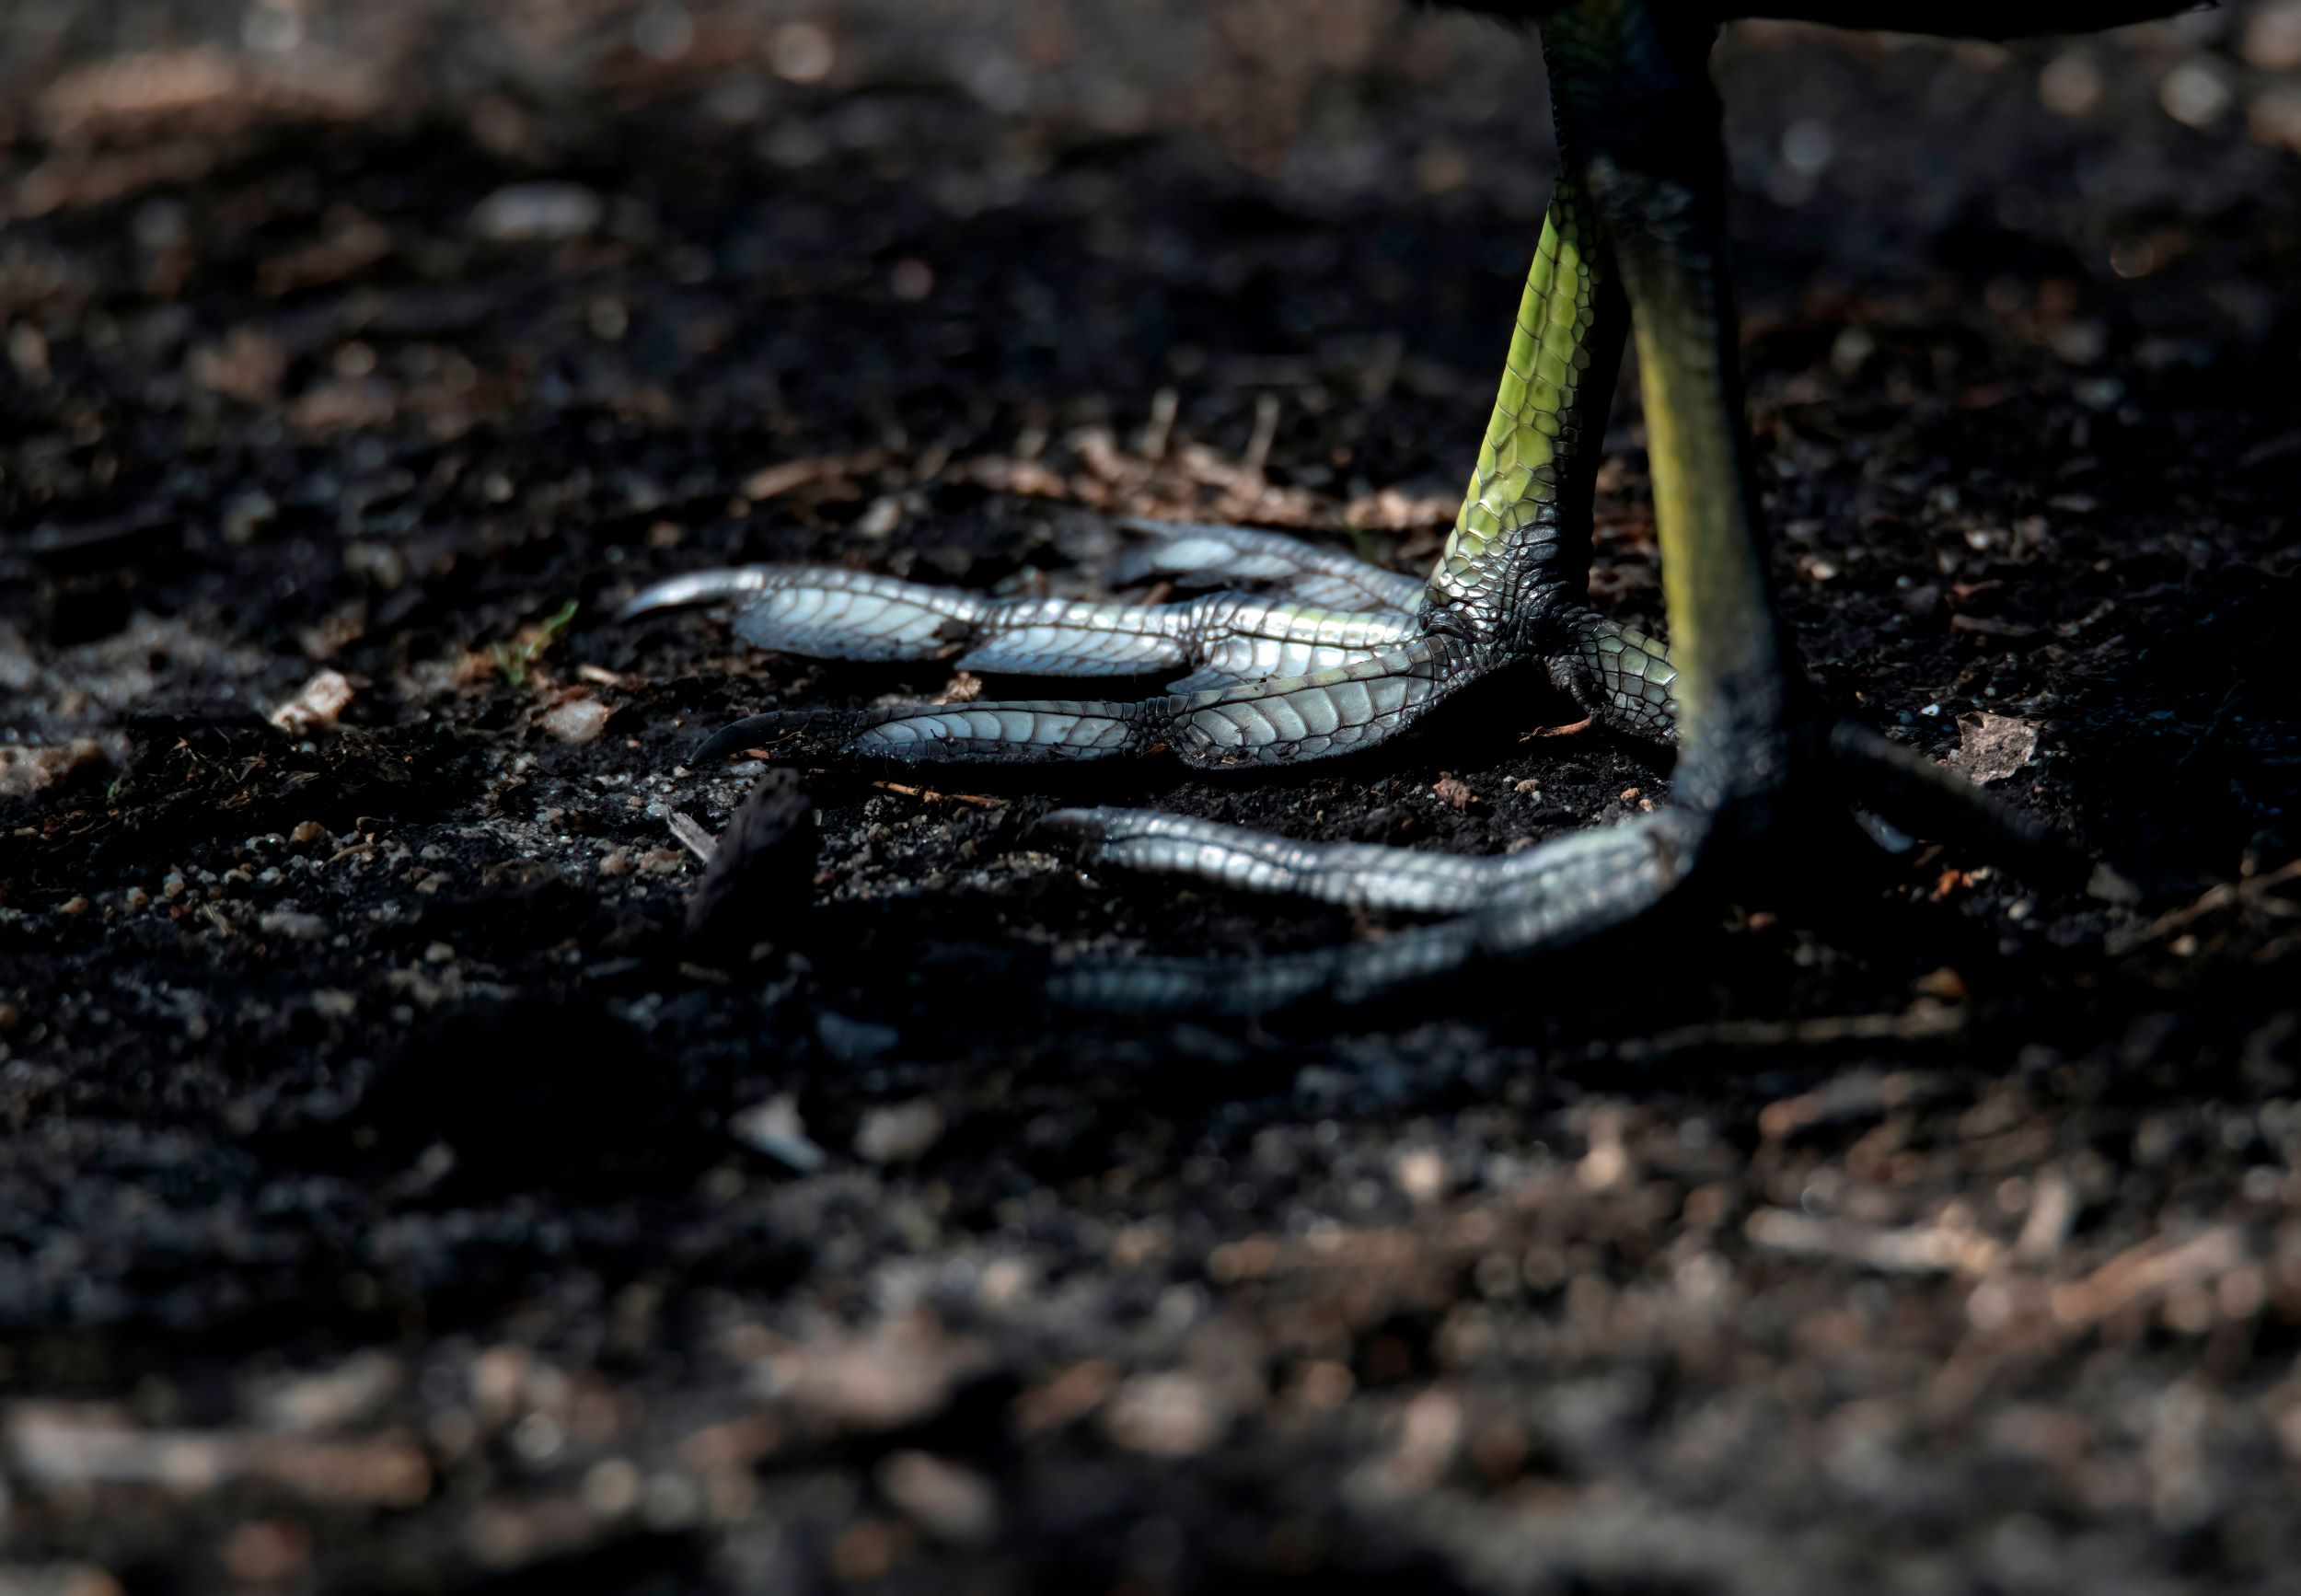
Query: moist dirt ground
column 398, row 1193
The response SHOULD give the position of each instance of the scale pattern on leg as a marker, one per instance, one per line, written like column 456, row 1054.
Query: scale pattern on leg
column 1622, row 677
column 1519, row 558
column 1355, row 875
column 1550, row 897
column 1521, row 535
column 1285, row 719
column 827, row 612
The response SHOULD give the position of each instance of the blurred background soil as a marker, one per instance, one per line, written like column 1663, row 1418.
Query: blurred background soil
column 395, row 1193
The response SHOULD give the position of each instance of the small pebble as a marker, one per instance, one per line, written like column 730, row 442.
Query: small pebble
column 247, row 516
column 538, row 212
column 1423, row 1175
column 775, row 1128
column 1944, row 983
column 900, row 1133
column 946, row 1500
column 853, row 1041
column 577, row 720
column 316, row 704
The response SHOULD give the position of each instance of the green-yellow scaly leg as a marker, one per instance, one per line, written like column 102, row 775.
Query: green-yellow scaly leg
column 1636, row 104
column 1519, row 558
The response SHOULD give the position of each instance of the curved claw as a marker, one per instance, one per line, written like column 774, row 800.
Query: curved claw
column 695, row 588
column 1918, row 796
column 781, row 732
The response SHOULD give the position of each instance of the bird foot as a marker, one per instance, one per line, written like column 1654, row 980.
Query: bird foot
column 1293, row 652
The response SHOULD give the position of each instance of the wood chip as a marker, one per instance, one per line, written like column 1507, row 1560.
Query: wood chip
column 316, row 704
column 773, row 482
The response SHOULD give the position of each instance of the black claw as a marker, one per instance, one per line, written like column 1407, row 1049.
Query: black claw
column 731, row 739
column 1070, row 827
column 810, row 729
column 1916, row 795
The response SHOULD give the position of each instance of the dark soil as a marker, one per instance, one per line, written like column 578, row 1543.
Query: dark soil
column 402, row 1191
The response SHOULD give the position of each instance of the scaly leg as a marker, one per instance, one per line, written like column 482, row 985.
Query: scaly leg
column 1347, row 655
